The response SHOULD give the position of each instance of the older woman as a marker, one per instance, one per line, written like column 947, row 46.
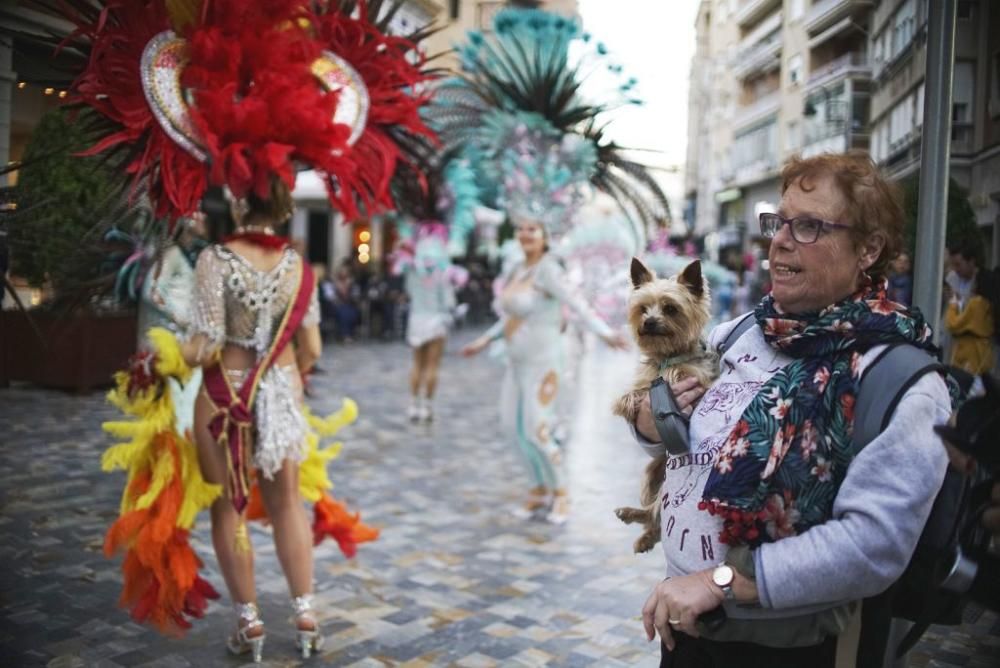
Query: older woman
column 780, row 521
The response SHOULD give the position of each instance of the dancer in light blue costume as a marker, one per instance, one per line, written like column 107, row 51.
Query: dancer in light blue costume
column 518, row 116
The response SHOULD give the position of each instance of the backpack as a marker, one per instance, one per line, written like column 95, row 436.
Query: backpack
column 914, row 596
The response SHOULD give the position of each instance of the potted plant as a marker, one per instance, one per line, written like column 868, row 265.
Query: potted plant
column 78, row 336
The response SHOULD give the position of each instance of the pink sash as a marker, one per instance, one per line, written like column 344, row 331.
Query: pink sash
column 232, row 423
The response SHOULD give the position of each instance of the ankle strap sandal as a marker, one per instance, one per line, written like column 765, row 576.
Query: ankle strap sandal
column 249, row 636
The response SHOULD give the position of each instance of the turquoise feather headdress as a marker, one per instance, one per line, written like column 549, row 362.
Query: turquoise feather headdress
column 515, row 101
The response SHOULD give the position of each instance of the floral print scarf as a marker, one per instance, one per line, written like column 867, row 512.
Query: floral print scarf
column 778, row 472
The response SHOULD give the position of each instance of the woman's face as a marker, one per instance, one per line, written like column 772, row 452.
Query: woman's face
column 810, row 277
column 531, row 236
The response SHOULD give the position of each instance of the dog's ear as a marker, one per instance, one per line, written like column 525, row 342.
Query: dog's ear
column 640, row 274
column 691, row 278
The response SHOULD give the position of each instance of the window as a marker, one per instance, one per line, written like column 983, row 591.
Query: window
column 962, row 99
column 795, row 69
column 453, row 7
column 793, row 136
column 756, row 145
column 903, row 27
column 901, row 121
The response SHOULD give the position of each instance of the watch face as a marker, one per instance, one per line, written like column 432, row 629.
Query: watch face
column 723, row 576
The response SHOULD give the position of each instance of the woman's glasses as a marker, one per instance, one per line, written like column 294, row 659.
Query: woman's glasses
column 804, row 230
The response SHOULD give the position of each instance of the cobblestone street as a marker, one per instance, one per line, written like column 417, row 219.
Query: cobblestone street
column 455, row 578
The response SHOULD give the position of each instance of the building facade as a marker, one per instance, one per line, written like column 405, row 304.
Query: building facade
column 815, row 76
column 899, row 58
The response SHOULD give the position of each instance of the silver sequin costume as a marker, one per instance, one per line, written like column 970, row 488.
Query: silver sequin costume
column 237, row 304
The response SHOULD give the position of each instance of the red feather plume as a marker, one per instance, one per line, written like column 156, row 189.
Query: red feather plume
column 258, row 108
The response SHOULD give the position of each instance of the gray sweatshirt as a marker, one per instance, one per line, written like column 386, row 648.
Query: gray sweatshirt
column 878, row 514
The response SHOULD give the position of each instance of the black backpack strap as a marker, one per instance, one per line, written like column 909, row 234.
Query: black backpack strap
column 745, row 323
column 899, row 367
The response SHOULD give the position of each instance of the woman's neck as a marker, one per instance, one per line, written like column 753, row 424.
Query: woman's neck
column 532, row 259
column 255, row 228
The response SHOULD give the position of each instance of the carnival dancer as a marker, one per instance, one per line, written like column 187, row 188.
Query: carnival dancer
column 165, row 300
column 517, row 114
column 438, row 217
column 256, row 331
column 237, row 94
column 531, row 324
column 430, row 280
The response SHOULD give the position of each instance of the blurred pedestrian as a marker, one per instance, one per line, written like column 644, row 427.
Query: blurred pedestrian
column 901, row 280
column 346, row 311
column 971, row 323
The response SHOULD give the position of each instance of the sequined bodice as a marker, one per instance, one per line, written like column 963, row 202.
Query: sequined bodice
column 521, row 297
column 239, row 304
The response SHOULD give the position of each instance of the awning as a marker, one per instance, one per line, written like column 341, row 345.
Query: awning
column 730, row 195
column 834, row 30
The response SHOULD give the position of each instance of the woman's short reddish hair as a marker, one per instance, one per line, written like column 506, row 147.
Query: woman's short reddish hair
column 874, row 204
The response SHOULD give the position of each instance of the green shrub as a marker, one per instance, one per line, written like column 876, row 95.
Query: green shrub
column 962, row 227
column 61, row 198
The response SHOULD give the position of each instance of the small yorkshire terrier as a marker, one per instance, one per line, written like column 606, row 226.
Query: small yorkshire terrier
column 667, row 316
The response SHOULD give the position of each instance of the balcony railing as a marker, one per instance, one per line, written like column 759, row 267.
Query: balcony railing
column 762, row 56
column 764, row 166
column 836, row 143
column 849, row 64
column 824, row 14
column 757, row 110
column 751, row 11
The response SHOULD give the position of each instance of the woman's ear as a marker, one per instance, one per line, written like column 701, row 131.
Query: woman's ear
column 871, row 248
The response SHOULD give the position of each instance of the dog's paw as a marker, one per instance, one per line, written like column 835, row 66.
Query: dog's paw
column 631, row 515
column 647, row 541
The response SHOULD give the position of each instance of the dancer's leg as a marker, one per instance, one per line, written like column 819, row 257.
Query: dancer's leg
column 512, row 422
column 294, row 543
column 435, row 349
column 236, row 565
column 417, row 372
column 292, row 534
column 538, row 417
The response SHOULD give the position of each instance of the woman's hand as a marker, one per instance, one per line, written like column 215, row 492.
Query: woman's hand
column 474, row 348
column 616, row 340
column 676, row 603
column 687, row 393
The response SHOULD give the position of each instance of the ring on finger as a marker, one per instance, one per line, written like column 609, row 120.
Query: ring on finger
column 673, row 622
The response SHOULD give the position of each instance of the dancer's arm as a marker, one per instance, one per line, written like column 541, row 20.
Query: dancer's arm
column 207, row 333
column 308, row 342
column 173, row 278
column 552, row 280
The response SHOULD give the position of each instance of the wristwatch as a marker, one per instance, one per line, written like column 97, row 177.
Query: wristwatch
column 723, row 576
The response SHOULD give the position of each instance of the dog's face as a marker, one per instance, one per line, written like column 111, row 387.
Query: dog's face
column 667, row 315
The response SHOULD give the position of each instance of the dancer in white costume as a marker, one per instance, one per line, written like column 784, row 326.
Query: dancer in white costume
column 430, row 280
column 518, row 116
column 534, row 292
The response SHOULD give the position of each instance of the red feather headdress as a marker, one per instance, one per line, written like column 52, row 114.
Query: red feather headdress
column 229, row 92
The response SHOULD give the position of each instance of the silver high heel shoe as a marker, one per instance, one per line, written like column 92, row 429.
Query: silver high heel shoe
column 307, row 640
column 242, row 642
